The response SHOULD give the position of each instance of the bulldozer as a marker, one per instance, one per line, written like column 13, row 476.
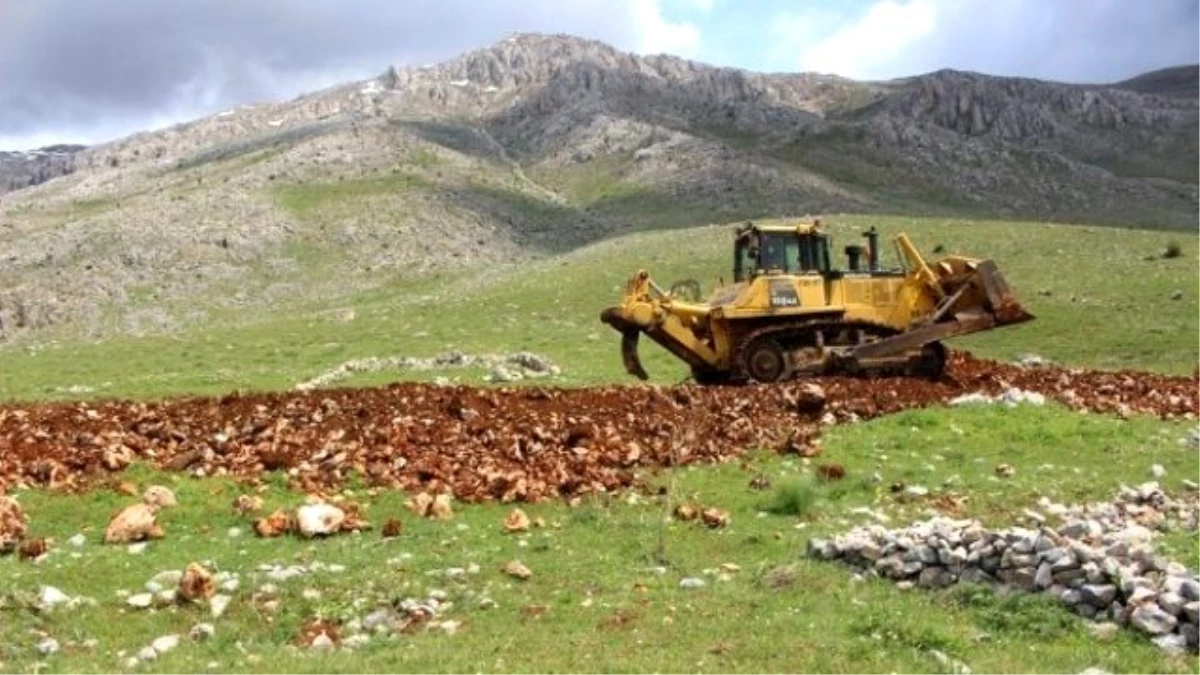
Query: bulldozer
column 789, row 313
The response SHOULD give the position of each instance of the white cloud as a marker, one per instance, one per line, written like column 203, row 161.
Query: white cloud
column 656, row 34
column 1069, row 40
column 868, row 47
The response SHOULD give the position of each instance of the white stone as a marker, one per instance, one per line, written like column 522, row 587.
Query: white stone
column 217, row 605
column 319, row 519
column 166, row 643
column 51, row 596
column 140, row 601
column 47, row 646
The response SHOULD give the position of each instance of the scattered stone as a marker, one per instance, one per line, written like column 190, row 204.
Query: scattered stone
column 429, row 506
column 13, row 524
column 47, row 646
column 274, row 525
column 318, row 634
column 217, row 605
column 247, row 504
column 201, row 632
column 691, row 582
column 313, row 520
column 140, row 601
column 518, row 570
column 516, row 521
column 1011, row 397
column 686, row 512
column 77, row 540
column 1158, row 471
column 1032, row 360
column 809, row 399
column 1005, row 470
column 134, row 523
column 714, row 517
column 159, row 497
column 52, row 597
column 196, row 583
column 503, row 367
column 165, row 643
column 33, row 549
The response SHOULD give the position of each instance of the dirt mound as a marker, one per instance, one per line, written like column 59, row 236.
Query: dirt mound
column 510, row 444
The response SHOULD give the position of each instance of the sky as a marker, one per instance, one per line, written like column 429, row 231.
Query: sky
column 87, row 71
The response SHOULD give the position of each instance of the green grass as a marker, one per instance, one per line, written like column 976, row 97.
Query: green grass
column 608, row 571
column 304, row 199
column 1098, row 301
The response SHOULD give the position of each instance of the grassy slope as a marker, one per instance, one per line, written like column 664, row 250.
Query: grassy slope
column 1098, row 303
column 606, row 607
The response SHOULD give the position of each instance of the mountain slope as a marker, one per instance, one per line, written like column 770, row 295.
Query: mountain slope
column 539, row 144
column 1183, row 81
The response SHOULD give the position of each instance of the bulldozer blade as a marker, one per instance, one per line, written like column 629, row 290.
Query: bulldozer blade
column 629, row 354
column 1004, row 306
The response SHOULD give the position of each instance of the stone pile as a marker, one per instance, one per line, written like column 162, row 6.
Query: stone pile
column 1099, row 561
column 514, row 366
column 1011, row 397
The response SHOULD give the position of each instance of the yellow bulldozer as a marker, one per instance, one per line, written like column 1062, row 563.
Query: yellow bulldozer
column 789, row 313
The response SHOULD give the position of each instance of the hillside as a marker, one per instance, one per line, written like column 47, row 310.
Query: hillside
column 540, row 144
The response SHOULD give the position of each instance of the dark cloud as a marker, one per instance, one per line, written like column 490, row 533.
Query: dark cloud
column 89, row 69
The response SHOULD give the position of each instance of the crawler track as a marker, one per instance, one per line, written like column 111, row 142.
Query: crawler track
column 523, row 444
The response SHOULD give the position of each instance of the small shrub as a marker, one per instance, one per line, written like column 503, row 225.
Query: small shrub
column 1025, row 614
column 1174, row 250
column 793, row 497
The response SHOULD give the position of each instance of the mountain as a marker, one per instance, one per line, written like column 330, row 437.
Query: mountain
column 542, row 143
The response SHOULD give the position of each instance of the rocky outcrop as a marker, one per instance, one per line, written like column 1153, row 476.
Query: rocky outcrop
column 24, row 169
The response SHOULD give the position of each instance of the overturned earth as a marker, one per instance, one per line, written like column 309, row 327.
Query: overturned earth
column 508, row 443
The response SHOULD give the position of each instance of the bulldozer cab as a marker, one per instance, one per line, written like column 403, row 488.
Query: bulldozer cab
column 780, row 250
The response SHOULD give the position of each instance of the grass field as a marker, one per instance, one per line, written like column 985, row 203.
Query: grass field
column 605, row 594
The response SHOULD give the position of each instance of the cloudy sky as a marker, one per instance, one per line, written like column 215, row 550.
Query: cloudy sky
column 93, row 70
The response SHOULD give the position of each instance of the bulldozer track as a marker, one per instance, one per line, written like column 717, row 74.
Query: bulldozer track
column 808, row 327
column 507, row 444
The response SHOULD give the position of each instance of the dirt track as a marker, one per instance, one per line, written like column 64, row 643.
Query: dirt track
column 521, row 444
